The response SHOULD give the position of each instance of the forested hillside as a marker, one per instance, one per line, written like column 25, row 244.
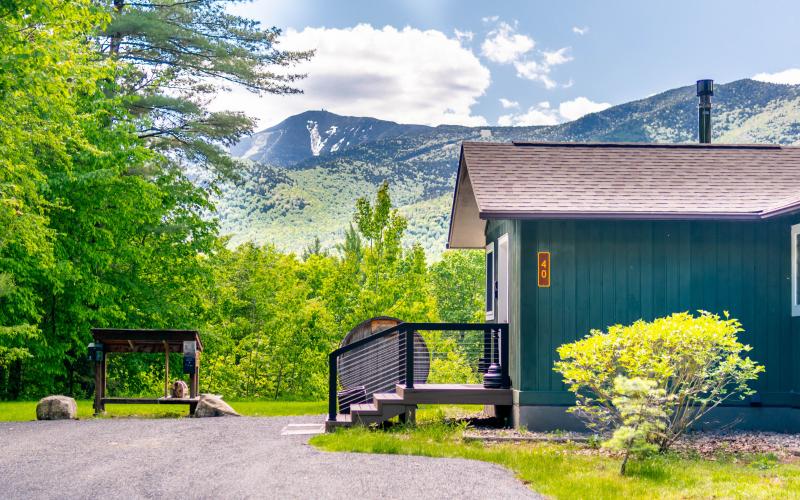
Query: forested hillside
column 103, row 136
column 293, row 191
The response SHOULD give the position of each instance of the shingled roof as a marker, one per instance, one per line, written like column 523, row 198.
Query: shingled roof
column 616, row 181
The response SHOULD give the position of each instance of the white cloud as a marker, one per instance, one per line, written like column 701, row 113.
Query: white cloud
column 490, row 19
column 464, row 36
column 407, row 75
column 532, row 70
column 535, row 115
column 504, row 45
column 788, row 77
column 507, row 103
column 580, row 31
column 544, row 114
column 574, row 109
column 557, row 57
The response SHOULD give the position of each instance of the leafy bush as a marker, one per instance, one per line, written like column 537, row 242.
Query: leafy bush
column 697, row 360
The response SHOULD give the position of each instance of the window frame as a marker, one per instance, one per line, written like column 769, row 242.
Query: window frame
column 502, row 275
column 795, row 233
column 489, row 293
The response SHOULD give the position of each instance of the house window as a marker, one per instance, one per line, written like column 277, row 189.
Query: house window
column 490, row 281
column 795, row 270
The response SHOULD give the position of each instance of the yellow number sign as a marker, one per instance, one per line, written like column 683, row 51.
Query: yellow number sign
column 544, row 269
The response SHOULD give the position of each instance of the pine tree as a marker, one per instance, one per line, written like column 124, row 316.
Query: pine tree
column 182, row 53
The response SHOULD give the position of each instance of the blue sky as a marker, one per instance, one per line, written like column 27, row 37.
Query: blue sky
column 516, row 62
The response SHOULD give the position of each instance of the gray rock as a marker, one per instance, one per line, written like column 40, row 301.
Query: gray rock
column 213, row 406
column 56, row 408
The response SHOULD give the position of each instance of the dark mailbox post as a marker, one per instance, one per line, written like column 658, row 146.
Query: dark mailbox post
column 95, row 352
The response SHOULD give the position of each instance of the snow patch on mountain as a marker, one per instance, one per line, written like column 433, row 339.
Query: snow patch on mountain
column 258, row 143
column 317, row 142
column 338, row 144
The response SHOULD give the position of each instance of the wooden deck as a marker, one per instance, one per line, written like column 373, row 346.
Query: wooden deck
column 454, row 394
column 405, row 401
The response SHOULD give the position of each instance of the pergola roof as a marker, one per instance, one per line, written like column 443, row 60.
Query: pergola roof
column 133, row 340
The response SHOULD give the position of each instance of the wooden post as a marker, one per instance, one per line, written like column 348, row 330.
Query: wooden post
column 100, row 385
column 105, row 378
column 166, row 370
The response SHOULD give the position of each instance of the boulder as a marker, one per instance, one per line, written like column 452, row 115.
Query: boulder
column 56, row 408
column 213, row 406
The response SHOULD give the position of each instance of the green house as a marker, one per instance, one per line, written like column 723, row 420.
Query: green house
column 582, row 236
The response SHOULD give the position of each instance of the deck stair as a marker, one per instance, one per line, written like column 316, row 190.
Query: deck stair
column 404, row 402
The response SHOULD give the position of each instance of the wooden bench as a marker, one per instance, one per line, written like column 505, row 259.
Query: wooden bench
column 192, row 402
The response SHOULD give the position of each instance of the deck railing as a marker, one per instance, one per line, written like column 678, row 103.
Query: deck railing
column 440, row 353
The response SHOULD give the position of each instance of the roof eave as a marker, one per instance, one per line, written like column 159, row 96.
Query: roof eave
column 503, row 214
column 455, row 197
column 782, row 210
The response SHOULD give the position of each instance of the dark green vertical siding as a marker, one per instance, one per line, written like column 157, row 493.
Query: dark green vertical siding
column 609, row 272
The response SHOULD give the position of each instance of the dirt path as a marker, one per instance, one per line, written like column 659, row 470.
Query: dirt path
column 221, row 458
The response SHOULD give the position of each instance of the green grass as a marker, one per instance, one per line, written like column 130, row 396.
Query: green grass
column 570, row 471
column 26, row 410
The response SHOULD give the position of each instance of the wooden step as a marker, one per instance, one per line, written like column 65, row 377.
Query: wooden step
column 342, row 420
column 386, row 397
column 365, row 409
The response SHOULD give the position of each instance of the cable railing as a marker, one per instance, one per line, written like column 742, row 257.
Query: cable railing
column 443, row 353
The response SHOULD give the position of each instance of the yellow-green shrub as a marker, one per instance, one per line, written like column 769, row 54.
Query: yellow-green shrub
column 697, row 360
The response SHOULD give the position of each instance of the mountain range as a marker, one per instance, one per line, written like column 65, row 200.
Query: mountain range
column 302, row 176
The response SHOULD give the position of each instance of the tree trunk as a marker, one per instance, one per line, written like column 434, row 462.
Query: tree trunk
column 15, row 380
column 116, row 37
column 625, row 462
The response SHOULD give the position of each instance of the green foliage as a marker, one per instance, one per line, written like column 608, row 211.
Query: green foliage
column 49, row 85
column 458, row 285
column 696, row 360
column 268, row 331
column 101, row 225
column 641, row 407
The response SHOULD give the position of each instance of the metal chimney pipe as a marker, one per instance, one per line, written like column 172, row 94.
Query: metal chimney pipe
column 705, row 89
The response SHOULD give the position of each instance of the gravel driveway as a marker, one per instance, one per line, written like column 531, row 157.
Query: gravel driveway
column 221, row 458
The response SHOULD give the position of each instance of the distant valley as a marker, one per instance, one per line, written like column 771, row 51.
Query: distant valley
column 303, row 175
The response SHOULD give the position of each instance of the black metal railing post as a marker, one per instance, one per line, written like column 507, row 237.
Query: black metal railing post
column 332, row 378
column 409, row 358
column 504, row 356
column 487, row 351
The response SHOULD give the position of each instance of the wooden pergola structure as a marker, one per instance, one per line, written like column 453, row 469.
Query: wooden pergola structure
column 124, row 341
